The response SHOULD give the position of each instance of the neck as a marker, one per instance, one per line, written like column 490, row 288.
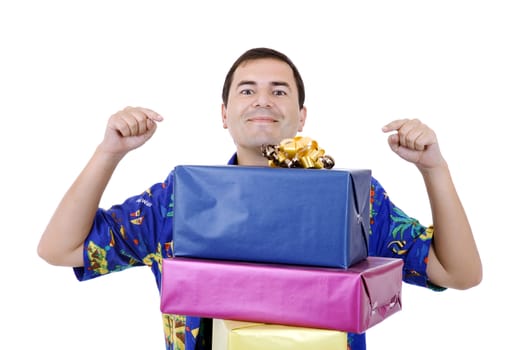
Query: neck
column 250, row 157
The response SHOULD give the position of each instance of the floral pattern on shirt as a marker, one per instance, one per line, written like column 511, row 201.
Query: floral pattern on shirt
column 138, row 232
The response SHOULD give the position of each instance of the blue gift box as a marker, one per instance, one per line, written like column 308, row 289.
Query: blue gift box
column 296, row 216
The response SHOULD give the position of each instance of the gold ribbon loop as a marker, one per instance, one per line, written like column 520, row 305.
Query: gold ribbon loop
column 297, row 152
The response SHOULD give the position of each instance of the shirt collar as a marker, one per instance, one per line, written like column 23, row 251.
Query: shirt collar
column 233, row 160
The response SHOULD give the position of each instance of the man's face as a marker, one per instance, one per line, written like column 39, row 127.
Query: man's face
column 263, row 105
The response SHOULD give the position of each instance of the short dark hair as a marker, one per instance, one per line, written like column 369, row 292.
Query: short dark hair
column 260, row 53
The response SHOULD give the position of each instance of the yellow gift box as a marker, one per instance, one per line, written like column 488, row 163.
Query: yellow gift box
column 239, row 335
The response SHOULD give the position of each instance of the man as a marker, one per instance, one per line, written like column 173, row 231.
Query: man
column 263, row 103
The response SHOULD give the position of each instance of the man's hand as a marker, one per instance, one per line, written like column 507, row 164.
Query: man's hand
column 128, row 129
column 415, row 142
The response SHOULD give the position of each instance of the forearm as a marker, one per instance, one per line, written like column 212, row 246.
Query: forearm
column 63, row 239
column 454, row 260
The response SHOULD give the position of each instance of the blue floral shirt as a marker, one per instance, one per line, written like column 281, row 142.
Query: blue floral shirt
column 138, row 232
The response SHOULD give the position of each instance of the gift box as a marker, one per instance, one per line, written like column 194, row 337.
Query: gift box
column 314, row 217
column 238, row 335
column 351, row 300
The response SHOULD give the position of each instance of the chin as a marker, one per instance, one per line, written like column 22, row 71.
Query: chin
column 259, row 139
column 268, row 141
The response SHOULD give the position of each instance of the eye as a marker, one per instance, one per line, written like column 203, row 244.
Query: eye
column 279, row 93
column 246, row 92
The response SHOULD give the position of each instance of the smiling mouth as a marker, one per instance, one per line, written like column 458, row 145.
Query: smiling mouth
column 262, row 120
column 262, row 115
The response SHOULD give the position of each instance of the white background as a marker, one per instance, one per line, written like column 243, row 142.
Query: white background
column 66, row 66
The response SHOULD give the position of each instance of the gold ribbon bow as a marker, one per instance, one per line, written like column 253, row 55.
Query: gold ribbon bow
column 297, row 152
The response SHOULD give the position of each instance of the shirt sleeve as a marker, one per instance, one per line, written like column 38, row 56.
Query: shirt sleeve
column 137, row 232
column 395, row 234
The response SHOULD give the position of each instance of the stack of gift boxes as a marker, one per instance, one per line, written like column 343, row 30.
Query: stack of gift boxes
column 278, row 258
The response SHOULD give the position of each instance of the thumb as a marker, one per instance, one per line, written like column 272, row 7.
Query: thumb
column 393, row 142
column 151, row 127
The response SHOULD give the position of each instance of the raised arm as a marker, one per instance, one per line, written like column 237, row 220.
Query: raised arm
column 453, row 261
column 62, row 241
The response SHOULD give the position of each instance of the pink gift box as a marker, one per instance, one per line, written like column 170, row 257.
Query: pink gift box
column 351, row 300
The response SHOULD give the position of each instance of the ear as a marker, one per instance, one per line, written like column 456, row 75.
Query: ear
column 302, row 118
column 223, row 113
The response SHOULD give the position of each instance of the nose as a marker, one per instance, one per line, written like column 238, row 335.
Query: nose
column 263, row 100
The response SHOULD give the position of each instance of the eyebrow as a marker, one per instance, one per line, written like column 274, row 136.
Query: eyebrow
column 273, row 83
